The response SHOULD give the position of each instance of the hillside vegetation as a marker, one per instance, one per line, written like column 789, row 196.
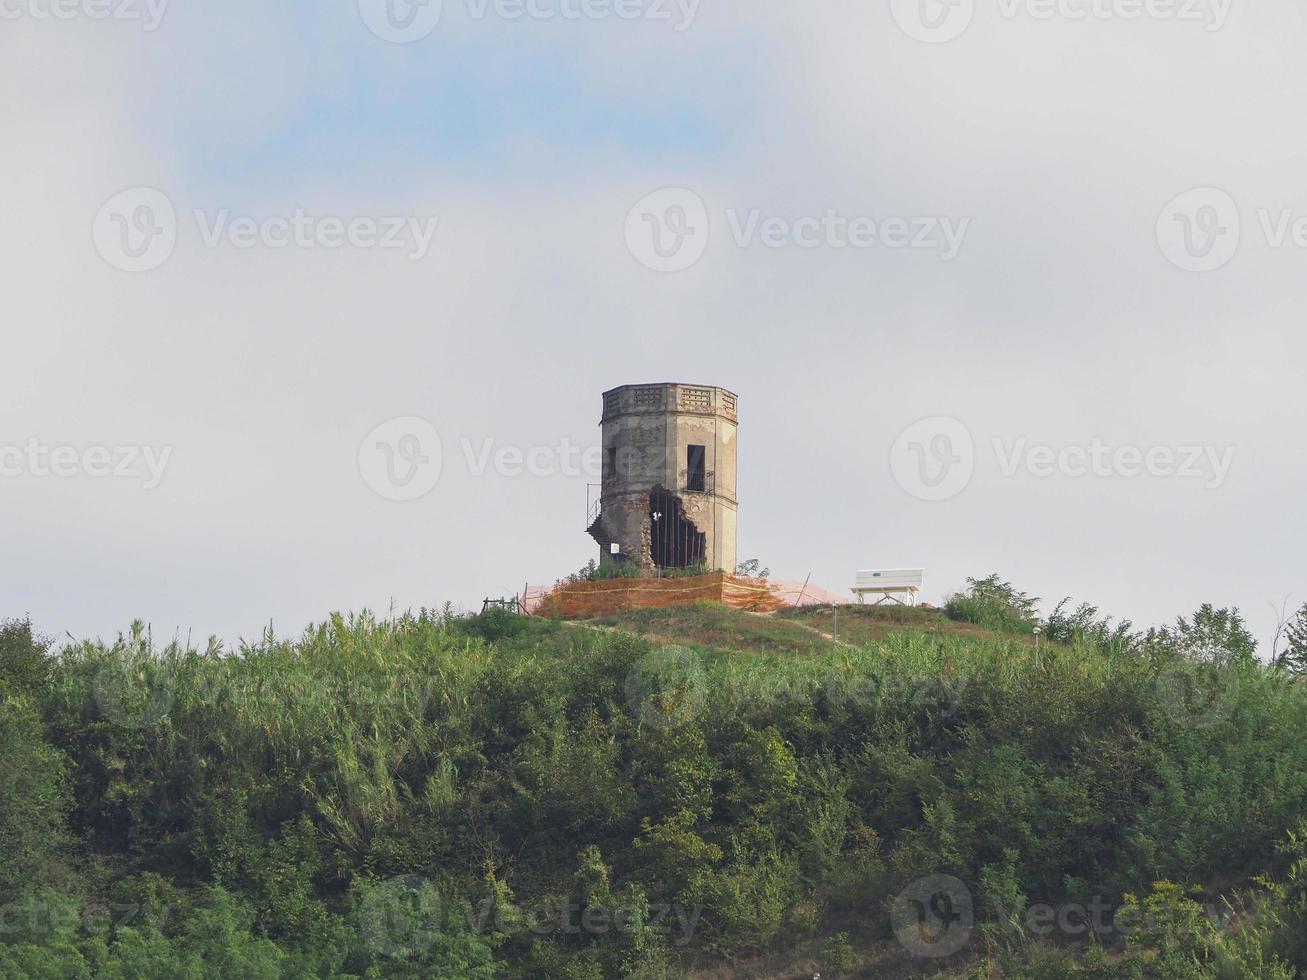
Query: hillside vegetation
column 677, row 792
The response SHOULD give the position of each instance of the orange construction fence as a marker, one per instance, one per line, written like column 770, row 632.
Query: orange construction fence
column 586, row 600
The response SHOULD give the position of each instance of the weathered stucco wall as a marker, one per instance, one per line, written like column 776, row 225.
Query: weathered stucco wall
column 647, row 434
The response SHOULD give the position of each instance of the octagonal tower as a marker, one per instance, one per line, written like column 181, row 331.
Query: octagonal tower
column 669, row 464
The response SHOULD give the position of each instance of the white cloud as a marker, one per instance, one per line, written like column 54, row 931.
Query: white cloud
column 1060, row 319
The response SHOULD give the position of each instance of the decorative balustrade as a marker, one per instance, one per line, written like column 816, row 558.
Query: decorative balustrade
column 688, row 399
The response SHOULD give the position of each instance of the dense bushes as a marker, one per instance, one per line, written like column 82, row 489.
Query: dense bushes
column 432, row 796
column 33, row 799
column 23, row 663
column 994, row 604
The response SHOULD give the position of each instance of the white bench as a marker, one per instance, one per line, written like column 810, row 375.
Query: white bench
column 889, row 584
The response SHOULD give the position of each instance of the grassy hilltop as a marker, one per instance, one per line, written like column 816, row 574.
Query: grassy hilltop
column 680, row 792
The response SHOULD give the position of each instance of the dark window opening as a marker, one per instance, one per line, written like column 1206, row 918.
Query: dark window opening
column 696, row 480
column 612, row 463
column 674, row 540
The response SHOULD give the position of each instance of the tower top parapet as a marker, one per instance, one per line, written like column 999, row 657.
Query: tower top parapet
column 670, row 397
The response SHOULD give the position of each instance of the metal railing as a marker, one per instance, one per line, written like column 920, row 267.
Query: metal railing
column 705, row 482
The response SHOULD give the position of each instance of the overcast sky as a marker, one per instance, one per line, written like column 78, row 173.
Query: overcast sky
column 1014, row 287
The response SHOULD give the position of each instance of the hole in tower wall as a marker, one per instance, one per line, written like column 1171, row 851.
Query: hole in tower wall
column 674, row 540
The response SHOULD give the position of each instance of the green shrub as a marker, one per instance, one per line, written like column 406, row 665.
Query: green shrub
column 994, row 604
column 247, row 803
column 24, row 666
column 837, row 953
column 34, row 802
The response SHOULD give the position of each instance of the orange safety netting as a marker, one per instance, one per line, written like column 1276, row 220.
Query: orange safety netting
column 586, row 600
column 806, row 594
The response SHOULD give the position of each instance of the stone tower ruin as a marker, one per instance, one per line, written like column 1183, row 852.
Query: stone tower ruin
column 668, row 493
